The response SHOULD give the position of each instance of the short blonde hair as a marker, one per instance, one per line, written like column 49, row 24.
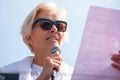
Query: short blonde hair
column 27, row 25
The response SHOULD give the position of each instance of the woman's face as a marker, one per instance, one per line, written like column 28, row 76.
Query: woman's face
column 43, row 40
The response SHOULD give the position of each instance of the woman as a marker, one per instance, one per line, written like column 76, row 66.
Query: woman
column 44, row 28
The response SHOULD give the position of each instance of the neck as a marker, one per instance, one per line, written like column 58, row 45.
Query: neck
column 38, row 61
column 40, row 57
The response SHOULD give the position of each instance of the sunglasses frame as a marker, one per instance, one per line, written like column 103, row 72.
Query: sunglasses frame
column 51, row 22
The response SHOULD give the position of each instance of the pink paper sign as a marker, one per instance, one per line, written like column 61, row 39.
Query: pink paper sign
column 101, row 39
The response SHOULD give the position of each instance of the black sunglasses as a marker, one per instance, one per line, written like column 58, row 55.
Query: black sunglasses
column 47, row 24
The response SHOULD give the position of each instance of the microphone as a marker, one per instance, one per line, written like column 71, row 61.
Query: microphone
column 54, row 49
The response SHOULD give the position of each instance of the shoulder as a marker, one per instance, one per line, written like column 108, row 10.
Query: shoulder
column 18, row 66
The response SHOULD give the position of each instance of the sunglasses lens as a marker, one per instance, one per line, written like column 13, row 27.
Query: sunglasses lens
column 45, row 25
column 61, row 26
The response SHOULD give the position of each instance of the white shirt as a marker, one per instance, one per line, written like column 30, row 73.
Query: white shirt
column 29, row 71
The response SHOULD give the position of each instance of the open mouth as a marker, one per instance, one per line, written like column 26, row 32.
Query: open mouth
column 52, row 38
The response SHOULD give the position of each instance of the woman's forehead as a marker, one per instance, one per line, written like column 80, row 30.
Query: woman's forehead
column 53, row 15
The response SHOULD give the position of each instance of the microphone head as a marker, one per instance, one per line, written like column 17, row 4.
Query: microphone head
column 55, row 49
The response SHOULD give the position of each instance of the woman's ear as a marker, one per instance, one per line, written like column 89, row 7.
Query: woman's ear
column 28, row 39
column 29, row 42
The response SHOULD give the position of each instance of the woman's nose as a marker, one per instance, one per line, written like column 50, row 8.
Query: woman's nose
column 53, row 29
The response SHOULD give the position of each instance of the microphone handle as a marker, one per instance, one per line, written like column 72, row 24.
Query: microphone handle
column 53, row 73
column 54, row 49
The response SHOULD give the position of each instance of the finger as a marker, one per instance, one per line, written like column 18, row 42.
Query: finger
column 116, row 66
column 56, row 57
column 119, row 52
column 57, row 66
column 116, row 56
column 56, row 54
column 57, row 63
column 54, row 62
column 116, row 60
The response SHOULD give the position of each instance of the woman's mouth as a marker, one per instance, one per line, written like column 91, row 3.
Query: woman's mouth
column 52, row 38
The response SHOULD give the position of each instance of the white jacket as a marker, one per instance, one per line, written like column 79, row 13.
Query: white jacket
column 27, row 71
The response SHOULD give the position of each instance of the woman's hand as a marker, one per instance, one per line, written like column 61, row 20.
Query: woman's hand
column 116, row 59
column 50, row 62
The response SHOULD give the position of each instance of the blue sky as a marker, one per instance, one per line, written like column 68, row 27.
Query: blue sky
column 13, row 13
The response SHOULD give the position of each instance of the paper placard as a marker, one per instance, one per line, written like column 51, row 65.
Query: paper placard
column 101, row 39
